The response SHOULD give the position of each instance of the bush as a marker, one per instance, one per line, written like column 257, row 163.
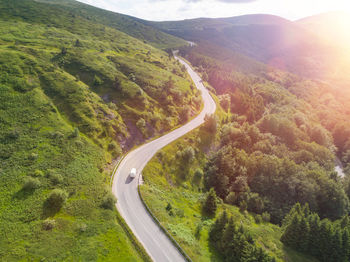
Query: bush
column 179, row 212
column 141, row 123
column 243, row 206
column 33, row 156
column 57, row 198
column 109, row 201
column 38, row 173
column 231, row 198
column 258, row 219
column 49, row 224
column 266, row 217
column 97, row 81
column 184, row 115
column 82, row 227
column 188, row 154
column 56, row 178
column 168, row 207
column 31, row 183
column 75, row 133
column 210, row 123
column 115, row 149
column 197, row 176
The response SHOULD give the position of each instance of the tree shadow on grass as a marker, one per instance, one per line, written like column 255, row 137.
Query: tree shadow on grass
column 49, row 210
column 23, row 194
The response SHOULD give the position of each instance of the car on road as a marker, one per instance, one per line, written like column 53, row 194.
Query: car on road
column 133, row 173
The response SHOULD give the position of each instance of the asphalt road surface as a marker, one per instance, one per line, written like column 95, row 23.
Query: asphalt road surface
column 129, row 204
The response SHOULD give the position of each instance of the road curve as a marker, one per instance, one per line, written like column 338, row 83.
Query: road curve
column 129, row 204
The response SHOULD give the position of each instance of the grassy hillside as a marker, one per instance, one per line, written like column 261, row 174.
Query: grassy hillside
column 64, row 13
column 74, row 94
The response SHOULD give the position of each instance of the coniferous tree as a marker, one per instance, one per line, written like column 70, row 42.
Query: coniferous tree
column 217, row 229
column 303, row 231
column 227, row 241
column 210, row 204
column 345, row 246
column 336, row 246
column 290, row 236
column 345, row 222
column 314, row 236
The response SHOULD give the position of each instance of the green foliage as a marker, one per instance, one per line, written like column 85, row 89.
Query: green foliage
column 49, row 224
column 56, row 199
column 233, row 241
column 305, row 232
column 31, row 183
column 210, row 205
column 56, row 178
column 191, row 230
column 168, row 207
column 97, row 81
column 266, row 217
column 228, row 169
column 210, row 124
column 109, row 201
column 184, row 114
column 115, row 149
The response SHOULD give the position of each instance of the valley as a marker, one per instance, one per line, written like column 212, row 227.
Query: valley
column 237, row 129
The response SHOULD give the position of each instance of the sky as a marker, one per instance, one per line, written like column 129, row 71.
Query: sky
column 164, row 10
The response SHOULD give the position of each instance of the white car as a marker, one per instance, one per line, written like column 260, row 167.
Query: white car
column 133, row 173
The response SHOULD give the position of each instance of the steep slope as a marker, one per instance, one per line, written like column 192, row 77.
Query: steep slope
column 74, row 93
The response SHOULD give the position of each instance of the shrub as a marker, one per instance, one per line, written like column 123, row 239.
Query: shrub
column 75, row 133
column 179, row 212
column 258, row 219
column 38, row 173
column 197, row 176
column 243, row 206
column 82, row 227
column 109, row 201
column 115, row 149
column 57, row 198
column 63, row 50
column 31, row 183
column 56, row 178
column 266, row 217
column 141, row 123
column 184, row 114
column 197, row 233
column 210, row 123
column 33, row 156
column 231, row 198
column 97, row 81
column 168, row 207
column 49, row 224
column 188, row 154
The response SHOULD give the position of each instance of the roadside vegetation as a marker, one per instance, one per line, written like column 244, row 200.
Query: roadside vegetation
column 74, row 94
column 174, row 193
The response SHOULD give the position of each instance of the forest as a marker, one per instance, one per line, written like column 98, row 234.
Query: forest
column 275, row 148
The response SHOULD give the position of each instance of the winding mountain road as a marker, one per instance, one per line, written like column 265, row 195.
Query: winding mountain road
column 129, row 204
